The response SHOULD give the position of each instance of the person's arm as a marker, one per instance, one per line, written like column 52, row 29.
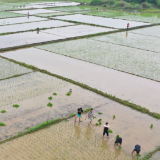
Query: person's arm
column 77, row 111
column 132, row 152
column 86, row 116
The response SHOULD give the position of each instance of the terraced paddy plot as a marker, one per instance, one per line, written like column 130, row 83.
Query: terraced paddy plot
column 130, row 60
column 129, row 39
column 151, row 31
column 74, row 8
column 142, row 17
column 9, row 69
column 75, row 31
column 108, row 13
column 124, row 86
column 27, row 86
column 9, row 14
column 33, row 26
column 108, row 22
column 20, row 20
column 33, row 12
column 60, row 3
column 26, row 38
column 36, row 6
column 52, row 14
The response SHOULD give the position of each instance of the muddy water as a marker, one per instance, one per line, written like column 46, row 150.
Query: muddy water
column 20, row 20
column 75, row 31
column 109, row 22
column 21, row 39
column 33, row 25
column 125, row 86
column 36, row 11
column 155, row 156
column 34, row 111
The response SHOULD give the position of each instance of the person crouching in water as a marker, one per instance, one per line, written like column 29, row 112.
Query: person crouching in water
column 136, row 149
column 118, row 141
column 106, row 129
column 78, row 114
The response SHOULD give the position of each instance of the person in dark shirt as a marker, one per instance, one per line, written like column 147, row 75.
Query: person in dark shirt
column 136, row 149
column 79, row 114
column 118, row 141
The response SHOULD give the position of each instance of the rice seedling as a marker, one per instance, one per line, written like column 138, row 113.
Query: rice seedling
column 97, row 124
column 2, row 124
column 110, row 131
column 55, row 94
column 151, row 126
column 138, row 155
column 49, row 104
column 68, row 94
column 100, row 123
column 50, row 98
column 117, row 136
column 100, row 120
column 16, row 105
column 100, row 113
column 94, row 117
column 120, row 147
column 114, row 116
column 3, row 111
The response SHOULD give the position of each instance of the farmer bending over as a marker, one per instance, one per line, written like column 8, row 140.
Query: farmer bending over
column 78, row 114
column 118, row 141
column 136, row 150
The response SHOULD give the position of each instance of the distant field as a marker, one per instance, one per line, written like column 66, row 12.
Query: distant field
column 9, row 15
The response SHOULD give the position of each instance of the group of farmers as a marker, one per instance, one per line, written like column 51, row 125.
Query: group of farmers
column 90, row 117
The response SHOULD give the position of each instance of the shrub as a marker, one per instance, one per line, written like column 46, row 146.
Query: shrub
column 111, row 2
column 3, row 111
column 104, row 5
column 49, row 104
column 16, row 105
column 146, row 5
column 117, row 4
column 2, row 124
column 96, row 2
column 158, row 3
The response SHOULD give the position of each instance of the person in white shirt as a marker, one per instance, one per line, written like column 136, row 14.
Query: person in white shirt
column 106, row 129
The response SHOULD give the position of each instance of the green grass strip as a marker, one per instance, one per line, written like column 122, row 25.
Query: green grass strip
column 114, row 98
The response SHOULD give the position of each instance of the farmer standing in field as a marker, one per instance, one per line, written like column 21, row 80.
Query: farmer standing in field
column 106, row 129
column 127, row 25
column 136, row 149
column 78, row 114
column 90, row 116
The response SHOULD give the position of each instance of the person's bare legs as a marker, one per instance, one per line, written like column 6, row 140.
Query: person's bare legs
column 80, row 119
column 75, row 118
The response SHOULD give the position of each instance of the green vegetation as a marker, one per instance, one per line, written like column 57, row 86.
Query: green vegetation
column 49, row 104
column 50, row 98
column 114, row 116
column 100, row 123
column 68, row 94
column 151, row 126
column 2, row 124
column 55, row 94
column 94, row 117
column 16, row 105
column 97, row 124
column 100, row 113
column 110, row 131
column 100, row 120
column 117, row 136
column 120, row 147
column 3, row 111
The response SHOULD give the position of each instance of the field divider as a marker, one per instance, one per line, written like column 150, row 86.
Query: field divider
column 16, row 75
column 112, row 97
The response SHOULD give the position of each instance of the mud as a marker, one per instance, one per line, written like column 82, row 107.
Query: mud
column 135, row 89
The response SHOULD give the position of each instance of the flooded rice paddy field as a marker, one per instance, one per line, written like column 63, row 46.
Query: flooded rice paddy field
column 139, row 41
column 33, row 26
column 52, row 14
column 26, row 38
column 68, row 140
column 155, row 156
column 9, row 69
column 33, row 12
column 130, row 60
column 9, row 15
column 150, row 32
column 20, row 20
column 108, row 22
column 125, row 86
